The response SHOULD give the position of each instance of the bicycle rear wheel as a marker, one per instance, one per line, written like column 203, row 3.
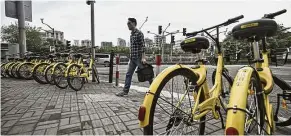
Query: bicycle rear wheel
column 171, row 110
column 24, row 71
column 38, row 73
column 75, row 81
column 59, row 77
column 48, row 74
column 13, row 70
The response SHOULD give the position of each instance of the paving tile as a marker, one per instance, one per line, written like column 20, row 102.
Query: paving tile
column 94, row 116
column 87, row 132
column 106, row 121
column 74, row 120
column 46, row 126
column 124, row 118
column 137, row 132
column 39, row 132
column 10, row 123
column 51, row 131
column 97, row 123
column 21, row 128
column 64, row 121
column 85, row 118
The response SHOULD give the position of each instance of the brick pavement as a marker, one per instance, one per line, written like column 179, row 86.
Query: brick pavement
column 30, row 108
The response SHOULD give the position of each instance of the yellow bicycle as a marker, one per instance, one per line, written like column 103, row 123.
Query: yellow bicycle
column 179, row 98
column 78, row 74
column 249, row 110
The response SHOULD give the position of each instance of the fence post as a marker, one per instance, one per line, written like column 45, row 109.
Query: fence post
column 111, row 67
column 158, row 63
column 117, row 70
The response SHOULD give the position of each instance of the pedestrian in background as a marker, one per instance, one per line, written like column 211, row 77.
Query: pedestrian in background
column 137, row 54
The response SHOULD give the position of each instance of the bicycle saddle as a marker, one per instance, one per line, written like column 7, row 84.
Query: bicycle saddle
column 258, row 28
column 195, row 44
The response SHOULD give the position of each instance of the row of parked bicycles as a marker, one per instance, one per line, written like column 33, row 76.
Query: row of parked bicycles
column 60, row 69
column 180, row 102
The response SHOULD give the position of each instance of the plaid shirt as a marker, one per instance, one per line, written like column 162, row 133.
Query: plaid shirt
column 137, row 47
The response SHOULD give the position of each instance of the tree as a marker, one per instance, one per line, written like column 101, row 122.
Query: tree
column 10, row 34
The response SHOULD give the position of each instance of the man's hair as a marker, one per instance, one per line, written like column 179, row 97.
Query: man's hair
column 133, row 20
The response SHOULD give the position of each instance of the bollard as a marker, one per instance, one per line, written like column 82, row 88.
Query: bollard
column 158, row 63
column 117, row 71
column 111, row 67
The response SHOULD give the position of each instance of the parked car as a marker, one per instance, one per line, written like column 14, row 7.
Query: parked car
column 103, row 59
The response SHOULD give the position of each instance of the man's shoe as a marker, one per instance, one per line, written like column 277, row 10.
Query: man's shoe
column 121, row 93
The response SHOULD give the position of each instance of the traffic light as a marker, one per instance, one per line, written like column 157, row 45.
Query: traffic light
column 172, row 39
column 68, row 43
column 184, row 31
column 160, row 29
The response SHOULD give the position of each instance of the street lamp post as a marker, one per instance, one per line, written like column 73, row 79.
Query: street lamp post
column 91, row 2
column 143, row 23
column 54, row 45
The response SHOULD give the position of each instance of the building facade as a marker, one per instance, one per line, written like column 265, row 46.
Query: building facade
column 121, row 42
column 86, row 43
column 106, row 44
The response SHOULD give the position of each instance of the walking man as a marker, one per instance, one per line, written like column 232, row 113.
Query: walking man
column 137, row 54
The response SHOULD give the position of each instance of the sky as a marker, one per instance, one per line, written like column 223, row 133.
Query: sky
column 73, row 17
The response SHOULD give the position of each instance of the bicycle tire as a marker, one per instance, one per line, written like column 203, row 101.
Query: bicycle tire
column 40, row 68
column 24, row 71
column 48, row 74
column 13, row 71
column 71, row 78
column 56, row 77
column 3, row 73
column 149, row 129
column 8, row 69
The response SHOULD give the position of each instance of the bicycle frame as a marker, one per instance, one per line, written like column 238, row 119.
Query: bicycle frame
column 237, row 106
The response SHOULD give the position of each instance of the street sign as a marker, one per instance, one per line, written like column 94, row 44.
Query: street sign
column 11, row 10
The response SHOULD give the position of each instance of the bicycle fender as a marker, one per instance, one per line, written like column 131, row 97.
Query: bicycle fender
column 238, row 101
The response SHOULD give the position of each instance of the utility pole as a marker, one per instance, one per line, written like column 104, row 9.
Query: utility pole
column 53, row 34
column 21, row 23
column 91, row 2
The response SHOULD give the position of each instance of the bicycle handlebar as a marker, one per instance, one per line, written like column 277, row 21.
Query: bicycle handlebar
column 233, row 20
column 229, row 21
column 272, row 15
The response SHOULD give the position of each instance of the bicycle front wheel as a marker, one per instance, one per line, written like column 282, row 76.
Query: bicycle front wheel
column 171, row 110
column 75, row 81
column 24, row 71
column 48, row 74
column 38, row 73
column 59, row 77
